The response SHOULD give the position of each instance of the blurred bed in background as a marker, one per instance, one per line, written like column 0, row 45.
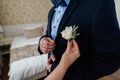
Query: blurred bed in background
column 25, row 61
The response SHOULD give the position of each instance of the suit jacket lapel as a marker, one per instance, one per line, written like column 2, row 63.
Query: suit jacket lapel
column 50, row 20
column 71, row 7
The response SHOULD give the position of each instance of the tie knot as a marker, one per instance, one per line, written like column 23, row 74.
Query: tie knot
column 59, row 3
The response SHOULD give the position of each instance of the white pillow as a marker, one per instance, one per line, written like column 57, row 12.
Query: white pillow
column 1, row 29
column 33, row 32
column 1, row 32
column 25, row 68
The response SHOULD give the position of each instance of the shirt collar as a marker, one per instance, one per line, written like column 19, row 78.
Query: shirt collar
column 67, row 2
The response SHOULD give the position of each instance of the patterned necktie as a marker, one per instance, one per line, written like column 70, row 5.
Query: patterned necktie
column 58, row 3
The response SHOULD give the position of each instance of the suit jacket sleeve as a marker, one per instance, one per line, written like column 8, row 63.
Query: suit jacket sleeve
column 47, row 31
column 105, row 41
column 39, row 45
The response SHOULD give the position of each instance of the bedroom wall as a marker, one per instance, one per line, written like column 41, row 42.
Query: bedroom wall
column 117, row 2
column 29, row 11
column 23, row 11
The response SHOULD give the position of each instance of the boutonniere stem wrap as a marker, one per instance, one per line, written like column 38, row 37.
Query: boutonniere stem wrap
column 70, row 33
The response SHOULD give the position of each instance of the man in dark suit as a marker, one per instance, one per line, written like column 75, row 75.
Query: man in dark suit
column 99, row 40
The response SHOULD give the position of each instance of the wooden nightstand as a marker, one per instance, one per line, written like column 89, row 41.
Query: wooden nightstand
column 1, row 64
column 5, row 45
column 4, row 49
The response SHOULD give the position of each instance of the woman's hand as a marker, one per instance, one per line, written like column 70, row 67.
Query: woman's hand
column 49, row 63
column 71, row 54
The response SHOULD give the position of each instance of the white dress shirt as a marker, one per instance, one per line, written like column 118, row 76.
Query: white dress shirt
column 57, row 16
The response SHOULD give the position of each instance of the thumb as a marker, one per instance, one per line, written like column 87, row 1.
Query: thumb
column 75, row 45
column 50, row 40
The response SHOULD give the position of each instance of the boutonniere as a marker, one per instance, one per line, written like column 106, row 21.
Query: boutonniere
column 70, row 32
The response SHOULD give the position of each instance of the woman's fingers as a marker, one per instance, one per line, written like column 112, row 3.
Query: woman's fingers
column 72, row 48
column 49, row 64
column 75, row 45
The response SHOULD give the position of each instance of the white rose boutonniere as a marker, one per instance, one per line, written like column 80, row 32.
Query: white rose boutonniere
column 70, row 33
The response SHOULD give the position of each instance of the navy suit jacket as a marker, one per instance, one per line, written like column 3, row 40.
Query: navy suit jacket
column 99, row 40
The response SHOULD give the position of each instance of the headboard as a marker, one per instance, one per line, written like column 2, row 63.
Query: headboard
column 17, row 30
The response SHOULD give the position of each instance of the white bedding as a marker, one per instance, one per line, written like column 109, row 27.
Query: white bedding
column 22, row 69
column 22, row 41
column 25, row 60
column 22, row 47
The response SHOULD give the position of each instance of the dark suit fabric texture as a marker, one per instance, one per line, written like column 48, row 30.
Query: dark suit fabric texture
column 99, row 39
